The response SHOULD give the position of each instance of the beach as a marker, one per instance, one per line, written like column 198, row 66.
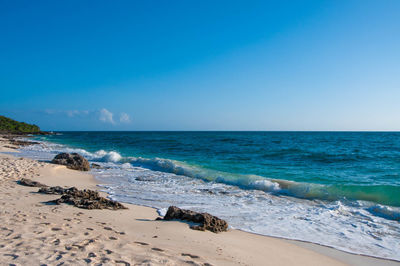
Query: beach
column 200, row 133
column 36, row 233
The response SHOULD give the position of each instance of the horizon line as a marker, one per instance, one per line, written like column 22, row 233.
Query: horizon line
column 356, row 131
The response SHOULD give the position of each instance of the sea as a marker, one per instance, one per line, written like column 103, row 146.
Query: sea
column 337, row 189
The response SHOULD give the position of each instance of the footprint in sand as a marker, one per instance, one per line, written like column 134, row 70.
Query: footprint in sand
column 92, row 255
column 10, row 231
column 190, row 255
column 141, row 243
column 104, row 260
column 123, row 262
column 108, row 251
column 14, row 256
column 17, row 236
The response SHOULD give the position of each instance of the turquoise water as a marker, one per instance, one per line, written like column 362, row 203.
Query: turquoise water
column 339, row 189
column 324, row 165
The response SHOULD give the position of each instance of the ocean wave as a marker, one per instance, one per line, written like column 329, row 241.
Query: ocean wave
column 265, row 185
column 375, row 193
column 111, row 156
column 385, row 212
column 381, row 194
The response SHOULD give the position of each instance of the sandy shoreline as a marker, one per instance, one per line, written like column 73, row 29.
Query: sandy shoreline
column 35, row 233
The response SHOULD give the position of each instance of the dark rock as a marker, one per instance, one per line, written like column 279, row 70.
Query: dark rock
column 30, row 183
column 10, row 147
column 206, row 221
column 44, row 133
column 86, row 199
column 96, row 166
column 55, row 190
column 21, row 143
column 72, row 161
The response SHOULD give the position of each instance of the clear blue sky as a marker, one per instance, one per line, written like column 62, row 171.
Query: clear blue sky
column 201, row 65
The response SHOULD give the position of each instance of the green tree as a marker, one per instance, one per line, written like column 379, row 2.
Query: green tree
column 10, row 125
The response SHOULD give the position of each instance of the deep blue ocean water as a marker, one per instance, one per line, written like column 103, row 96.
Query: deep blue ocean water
column 340, row 189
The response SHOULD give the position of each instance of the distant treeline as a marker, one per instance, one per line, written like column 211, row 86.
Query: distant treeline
column 12, row 126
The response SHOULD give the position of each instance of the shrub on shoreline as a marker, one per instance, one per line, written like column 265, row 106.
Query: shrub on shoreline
column 9, row 125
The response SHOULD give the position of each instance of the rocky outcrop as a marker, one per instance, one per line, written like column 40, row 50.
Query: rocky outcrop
column 72, row 161
column 205, row 221
column 53, row 190
column 30, row 183
column 86, row 199
column 16, row 140
column 96, row 166
column 22, row 143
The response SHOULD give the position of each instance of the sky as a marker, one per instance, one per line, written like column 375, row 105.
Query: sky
column 201, row 65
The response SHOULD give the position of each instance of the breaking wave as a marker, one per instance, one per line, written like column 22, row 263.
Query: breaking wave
column 381, row 194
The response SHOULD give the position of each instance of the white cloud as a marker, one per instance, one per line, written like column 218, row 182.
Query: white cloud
column 73, row 113
column 106, row 116
column 69, row 113
column 124, row 118
column 50, row 111
column 102, row 115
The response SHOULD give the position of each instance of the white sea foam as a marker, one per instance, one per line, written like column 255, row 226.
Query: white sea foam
column 111, row 156
column 385, row 212
column 265, row 185
column 350, row 228
column 355, row 226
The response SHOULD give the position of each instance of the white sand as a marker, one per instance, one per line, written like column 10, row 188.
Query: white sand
column 34, row 233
